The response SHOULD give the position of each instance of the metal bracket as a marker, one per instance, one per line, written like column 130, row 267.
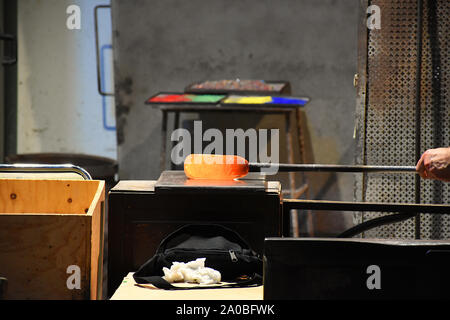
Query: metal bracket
column 97, row 51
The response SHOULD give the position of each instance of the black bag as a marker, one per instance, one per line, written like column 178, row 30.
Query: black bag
column 224, row 250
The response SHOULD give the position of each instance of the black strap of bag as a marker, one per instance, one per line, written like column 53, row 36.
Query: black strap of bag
column 159, row 282
column 194, row 241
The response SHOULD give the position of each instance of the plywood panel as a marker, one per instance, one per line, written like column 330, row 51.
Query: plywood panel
column 42, row 196
column 97, row 242
column 35, row 251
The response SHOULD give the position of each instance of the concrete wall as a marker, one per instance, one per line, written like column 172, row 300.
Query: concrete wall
column 163, row 45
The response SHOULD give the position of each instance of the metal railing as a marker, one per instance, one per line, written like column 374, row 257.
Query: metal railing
column 45, row 168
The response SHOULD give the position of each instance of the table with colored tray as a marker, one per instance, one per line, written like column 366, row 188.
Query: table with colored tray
column 288, row 106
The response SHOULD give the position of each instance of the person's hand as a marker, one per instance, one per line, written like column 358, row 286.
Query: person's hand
column 435, row 164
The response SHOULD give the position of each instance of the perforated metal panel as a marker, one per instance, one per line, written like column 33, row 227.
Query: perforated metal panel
column 386, row 110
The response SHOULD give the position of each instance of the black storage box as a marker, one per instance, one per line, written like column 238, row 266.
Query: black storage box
column 330, row 268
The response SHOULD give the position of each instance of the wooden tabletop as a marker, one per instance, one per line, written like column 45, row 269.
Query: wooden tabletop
column 129, row 290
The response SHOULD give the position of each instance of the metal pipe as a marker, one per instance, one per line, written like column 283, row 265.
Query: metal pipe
column 402, row 212
column 39, row 168
column 418, row 109
column 376, row 222
column 255, row 167
column 97, row 53
column 436, row 103
column 289, row 204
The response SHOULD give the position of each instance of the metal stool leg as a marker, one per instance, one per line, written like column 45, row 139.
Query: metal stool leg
column 301, row 145
column 289, row 145
column 163, row 140
column 176, row 125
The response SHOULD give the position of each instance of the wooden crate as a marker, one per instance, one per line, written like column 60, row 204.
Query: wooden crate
column 47, row 226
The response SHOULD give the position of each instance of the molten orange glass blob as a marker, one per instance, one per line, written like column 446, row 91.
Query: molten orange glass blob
column 215, row 167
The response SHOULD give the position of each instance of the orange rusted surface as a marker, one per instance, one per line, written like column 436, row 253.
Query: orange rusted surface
column 215, row 167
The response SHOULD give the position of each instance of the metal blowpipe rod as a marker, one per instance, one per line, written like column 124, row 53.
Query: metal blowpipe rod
column 284, row 167
column 220, row 167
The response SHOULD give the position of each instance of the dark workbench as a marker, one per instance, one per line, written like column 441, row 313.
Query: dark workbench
column 140, row 216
